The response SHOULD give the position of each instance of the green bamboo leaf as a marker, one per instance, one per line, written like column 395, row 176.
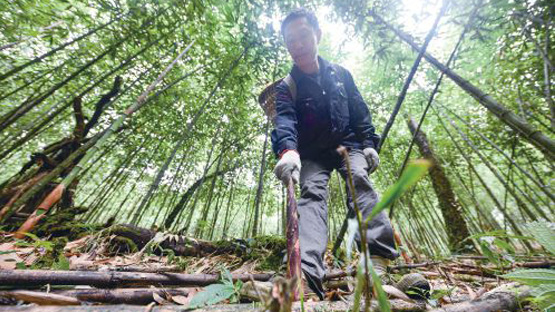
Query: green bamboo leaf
column 226, row 276
column 383, row 302
column 414, row 171
column 212, row 294
column 544, row 289
column 486, row 251
column 358, row 289
column 532, row 276
column 32, row 236
column 544, row 233
column 504, row 246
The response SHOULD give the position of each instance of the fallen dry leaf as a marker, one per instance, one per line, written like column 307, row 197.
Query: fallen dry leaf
column 182, row 300
column 471, row 292
column 30, row 259
column 8, row 261
column 80, row 262
column 159, row 298
column 396, row 293
column 76, row 244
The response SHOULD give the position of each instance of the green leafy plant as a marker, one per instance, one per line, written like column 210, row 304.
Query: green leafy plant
column 61, row 264
column 541, row 281
column 414, row 172
column 36, row 242
column 496, row 248
column 216, row 293
column 544, row 233
column 532, row 277
column 439, row 293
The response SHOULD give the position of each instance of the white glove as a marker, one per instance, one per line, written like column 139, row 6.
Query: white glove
column 372, row 158
column 288, row 166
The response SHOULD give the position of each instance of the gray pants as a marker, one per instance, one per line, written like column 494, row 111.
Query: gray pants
column 313, row 213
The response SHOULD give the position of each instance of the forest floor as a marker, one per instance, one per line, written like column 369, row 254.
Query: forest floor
column 131, row 269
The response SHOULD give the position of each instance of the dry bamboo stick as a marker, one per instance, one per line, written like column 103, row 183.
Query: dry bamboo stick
column 111, row 279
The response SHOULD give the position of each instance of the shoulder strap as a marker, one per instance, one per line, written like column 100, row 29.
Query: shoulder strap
column 291, row 85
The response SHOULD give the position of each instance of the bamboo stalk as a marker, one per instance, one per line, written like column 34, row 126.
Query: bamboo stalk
column 542, row 186
column 412, row 72
column 93, row 148
column 61, row 47
column 21, row 278
column 30, row 134
column 433, row 94
column 457, row 230
column 545, row 144
column 508, row 217
column 260, row 186
column 520, row 203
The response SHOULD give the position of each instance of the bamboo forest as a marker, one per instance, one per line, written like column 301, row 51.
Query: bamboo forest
column 150, row 155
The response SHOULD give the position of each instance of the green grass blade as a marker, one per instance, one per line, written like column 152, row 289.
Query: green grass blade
column 532, row 276
column 412, row 173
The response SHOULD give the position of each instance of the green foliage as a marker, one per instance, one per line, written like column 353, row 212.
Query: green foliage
column 544, row 233
column 383, row 302
column 542, row 281
column 216, row 293
column 496, row 246
column 413, row 172
column 544, row 296
column 499, row 55
column 212, row 294
column 532, row 277
column 436, row 294
column 61, row 264
column 37, row 243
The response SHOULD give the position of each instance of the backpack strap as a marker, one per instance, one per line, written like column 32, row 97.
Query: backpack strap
column 291, row 85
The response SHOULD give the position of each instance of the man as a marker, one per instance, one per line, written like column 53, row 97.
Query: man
column 320, row 109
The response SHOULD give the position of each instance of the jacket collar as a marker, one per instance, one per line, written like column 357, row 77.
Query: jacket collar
column 298, row 75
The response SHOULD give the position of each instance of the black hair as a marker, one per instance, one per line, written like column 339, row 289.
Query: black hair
column 298, row 13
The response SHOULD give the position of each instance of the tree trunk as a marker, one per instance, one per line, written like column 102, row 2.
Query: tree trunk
column 450, row 207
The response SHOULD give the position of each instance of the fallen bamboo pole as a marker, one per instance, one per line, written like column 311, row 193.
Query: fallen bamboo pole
column 331, row 306
column 503, row 298
column 113, row 279
column 125, row 295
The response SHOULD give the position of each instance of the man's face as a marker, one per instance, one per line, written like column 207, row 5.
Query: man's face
column 302, row 41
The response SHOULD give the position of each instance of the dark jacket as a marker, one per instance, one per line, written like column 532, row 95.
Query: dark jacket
column 323, row 116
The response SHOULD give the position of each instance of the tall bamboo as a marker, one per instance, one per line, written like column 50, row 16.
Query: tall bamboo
column 412, row 72
column 457, row 230
column 519, row 201
column 56, row 194
column 529, row 133
column 61, row 47
column 511, row 160
column 260, row 187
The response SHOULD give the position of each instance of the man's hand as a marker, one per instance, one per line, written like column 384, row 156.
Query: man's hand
column 289, row 165
column 372, row 158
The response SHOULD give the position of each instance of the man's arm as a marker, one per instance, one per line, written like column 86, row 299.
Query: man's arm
column 360, row 118
column 284, row 135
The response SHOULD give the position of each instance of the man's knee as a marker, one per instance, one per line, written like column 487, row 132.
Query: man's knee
column 360, row 176
column 314, row 190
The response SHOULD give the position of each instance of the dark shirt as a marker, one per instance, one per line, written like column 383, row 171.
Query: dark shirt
column 328, row 111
